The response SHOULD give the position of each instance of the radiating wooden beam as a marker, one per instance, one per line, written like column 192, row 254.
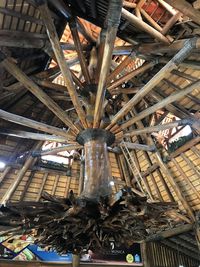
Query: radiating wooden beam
column 158, row 128
column 120, row 67
column 172, row 64
column 77, row 42
column 11, row 67
column 185, row 8
column 132, row 74
column 138, row 146
column 33, row 124
column 159, row 48
column 57, row 150
column 29, row 161
column 168, row 100
column 32, row 136
column 53, row 37
column 144, row 26
column 22, row 42
column 169, row 233
column 113, row 20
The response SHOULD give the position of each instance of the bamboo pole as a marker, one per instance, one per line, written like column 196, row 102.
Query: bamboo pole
column 29, row 161
column 185, row 8
column 11, row 67
column 168, row 100
column 53, row 37
column 114, row 14
column 144, row 26
column 33, row 124
column 172, row 64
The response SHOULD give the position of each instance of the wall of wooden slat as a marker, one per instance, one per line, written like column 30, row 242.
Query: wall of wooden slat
column 159, row 255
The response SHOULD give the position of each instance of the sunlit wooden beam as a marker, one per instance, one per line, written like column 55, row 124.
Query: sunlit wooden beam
column 113, row 20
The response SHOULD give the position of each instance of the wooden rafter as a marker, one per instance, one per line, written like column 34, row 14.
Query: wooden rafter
column 114, row 14
column 33, row 124
column 11, row 67
column 172, row 64
column 53, row 37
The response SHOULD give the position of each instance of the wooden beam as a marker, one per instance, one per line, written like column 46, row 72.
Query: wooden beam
column 169, row 233
column 138, row 146
column 175, row 186
column 168, row 100
column 29, row 161
column 113, row 15
column 75, row 35
column 185, row 8
column 33, row 124
column 120, row 67
column 177, row 88
column 13, row 13
column 132, row 74
column 57, row 150
column 158, row 128
column 144, row 26
column 11, row 67
column 158, row 48
column 170, row 23
column 186, row 178
column 22, row 42
column 53, row 37
column 185, row 147
column 44, row 178
column 172, row 64
column 32, row 136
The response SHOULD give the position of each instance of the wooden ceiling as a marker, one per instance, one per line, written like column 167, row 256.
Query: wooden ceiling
column 152, row 66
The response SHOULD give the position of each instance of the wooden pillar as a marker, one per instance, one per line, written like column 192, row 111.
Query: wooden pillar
column 75, row 260
column 145, row 259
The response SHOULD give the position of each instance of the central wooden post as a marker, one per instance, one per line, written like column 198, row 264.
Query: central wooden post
column 97, row 167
